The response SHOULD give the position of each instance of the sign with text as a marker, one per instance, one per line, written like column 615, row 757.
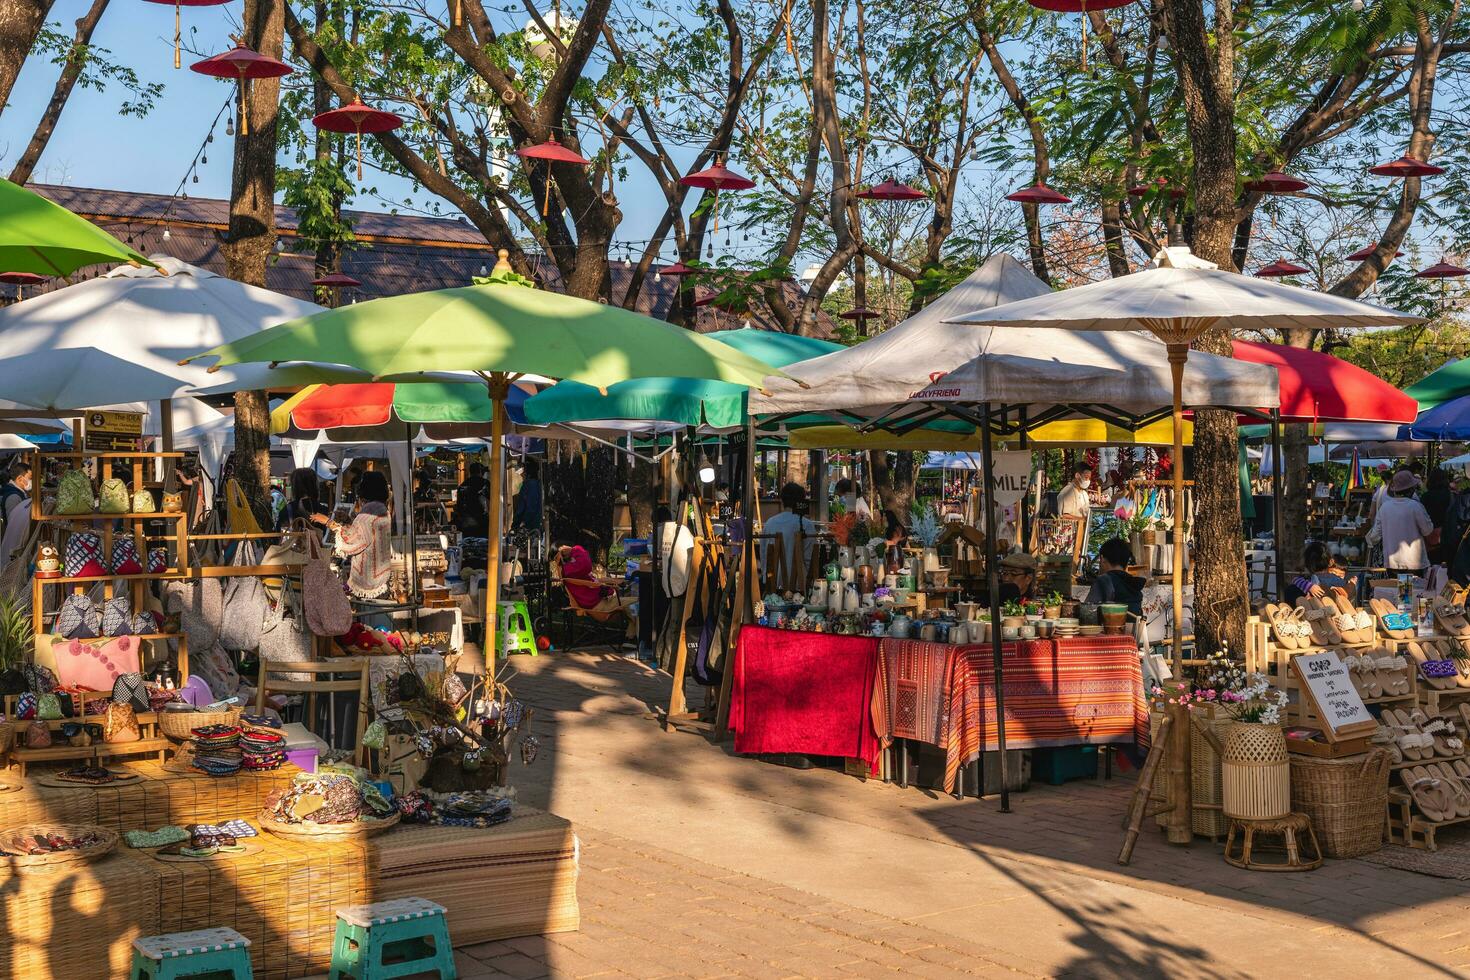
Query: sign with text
column 1326, row 684
column 113, row 432
column 1008, row 476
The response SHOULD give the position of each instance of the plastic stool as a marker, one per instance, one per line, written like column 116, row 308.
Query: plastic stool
column 412, row 931
column 190, row 954
column 513, row 633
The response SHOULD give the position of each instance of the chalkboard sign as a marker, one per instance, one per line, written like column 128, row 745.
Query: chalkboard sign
column 1326, row 684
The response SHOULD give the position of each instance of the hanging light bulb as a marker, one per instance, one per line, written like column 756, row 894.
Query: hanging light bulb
column 483, row 270
column 210, row 137
column 658, row 277
column 184, row 195
column 278, row 245
column 166, row 235
column 1358, row 5
column 196, row 178
column 627, row 260
column 230, row 126
column 203, row 158
column 709, row 251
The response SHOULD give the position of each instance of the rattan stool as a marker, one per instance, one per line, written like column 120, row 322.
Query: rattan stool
column 1292, row 828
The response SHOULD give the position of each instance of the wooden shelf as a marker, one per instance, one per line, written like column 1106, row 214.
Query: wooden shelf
column 85, row 455
column 136, row 636
column 171, row 574
column 93, row 517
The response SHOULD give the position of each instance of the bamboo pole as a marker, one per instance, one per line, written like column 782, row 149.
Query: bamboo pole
column 499, row 387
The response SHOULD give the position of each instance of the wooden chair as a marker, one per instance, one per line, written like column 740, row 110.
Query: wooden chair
column 311, row 688
column 610, row 625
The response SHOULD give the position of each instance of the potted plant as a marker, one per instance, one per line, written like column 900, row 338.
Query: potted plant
column 1053, row 605
column 924, row 529
column 1255, row 769
column 1012, row 614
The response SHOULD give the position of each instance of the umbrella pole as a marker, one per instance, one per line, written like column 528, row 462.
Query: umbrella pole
column 498, row 387
column 1276, row 468
column 178, row 31
column 992, row 573
column 1179, row 828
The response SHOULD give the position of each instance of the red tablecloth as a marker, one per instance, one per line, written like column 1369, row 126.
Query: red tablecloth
column 807, row 693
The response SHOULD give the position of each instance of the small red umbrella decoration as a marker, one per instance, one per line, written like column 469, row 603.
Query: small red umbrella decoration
column 1442, row 270
column 718, row 178
column 552, row 152
column 1078, row 7
column 891, row 190
column 21, row 280
column 1281, row 268
column 1038, row 194
column 859, row 313
column 1406, row 166
column 1276, row 182
column 178, row 58
column 357, row 118
column 1142, row 190
column 1362, row 254
column 678, row 269
column 336, row 280
column 242, row 64
column 735, row 304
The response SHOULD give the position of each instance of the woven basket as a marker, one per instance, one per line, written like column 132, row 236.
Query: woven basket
column 308, row 831
column 107, row 840
column 179, row 725
column 1206, row 782
column 1255, row 772
column 1345, row 798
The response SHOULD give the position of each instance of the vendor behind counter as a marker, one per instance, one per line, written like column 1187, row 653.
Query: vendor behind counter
column 1018, row 574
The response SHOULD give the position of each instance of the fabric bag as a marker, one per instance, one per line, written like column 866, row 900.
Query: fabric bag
column 237, row 509
column 38, row 735
column 216, row 668
column 120, row 724
column 38, row 678
column 245, row 604
column 129, row 689
column 284, row 637
column 143, row 502
column 117, row 616
column 113, row 497
column 199, row 604
column 83, row 556
column 78, row 617
column 74, row 493
column 48, row 707
column 95, row 666
column 328, row 612
column 157, row 561
column 125, row 560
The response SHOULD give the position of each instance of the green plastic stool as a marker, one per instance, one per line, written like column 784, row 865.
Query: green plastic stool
column 367, row 935
column 513, row 631
column 191, row 954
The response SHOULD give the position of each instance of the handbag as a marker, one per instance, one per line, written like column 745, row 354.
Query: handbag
column 74, row 493
column 143, row 502
column 113, row 497
column 217, row 669
column 245, row 604
column 284, row 637
column 48, row 707
column 147, row 622
column 200, row 605
column 25, row 705
column 38, row 678
column 38, row 735
column 125, row 560
column 96, row 666
column 129, row 689
column 157, row 561
column 120, row 724
column 237, row 509
column 328, row 613
column 78, row 618
column 84, row 556
column 117, row 616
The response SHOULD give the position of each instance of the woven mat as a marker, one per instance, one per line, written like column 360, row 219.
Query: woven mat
column 1451, row 860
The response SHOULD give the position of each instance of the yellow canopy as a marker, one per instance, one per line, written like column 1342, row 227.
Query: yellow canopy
column 1068, row 433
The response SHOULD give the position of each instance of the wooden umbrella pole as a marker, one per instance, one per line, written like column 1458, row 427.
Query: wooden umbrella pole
column 178, row 36
column 1179, row 829
column 499, row 387
column 359, row 153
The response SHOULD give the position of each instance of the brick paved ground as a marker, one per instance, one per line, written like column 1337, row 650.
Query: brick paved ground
column 699, row 863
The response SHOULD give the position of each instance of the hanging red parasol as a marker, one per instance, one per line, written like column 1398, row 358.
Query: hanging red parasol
column 552, row 152
column 22, row 280
column 891, row 190
column 1317, row 387
column 715, row 179
column 1406, row 166
column 859, row 313
column 1078, row 7
column 178, row 58
column 242, row 64
column 1142, row 190
column 357, row 118
column 336, row 280
column 678, row 269
column 1442, row 270
column 1363, row 253
column 1276, row 182
column 1280, row 268
column 1038, row 194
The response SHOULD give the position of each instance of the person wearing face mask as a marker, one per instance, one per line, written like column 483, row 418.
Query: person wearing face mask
column 1073, row 500
column 15, row 509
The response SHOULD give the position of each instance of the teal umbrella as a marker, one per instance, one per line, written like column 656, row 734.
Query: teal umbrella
column 687, row 401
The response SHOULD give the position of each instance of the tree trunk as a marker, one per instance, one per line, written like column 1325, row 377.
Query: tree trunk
column 1293, row 474
column 1112, row 229
column 642, row 495
column 894, row 480
column 252, row 236
column 20, row 22
column 65, row 82
column 798, row 468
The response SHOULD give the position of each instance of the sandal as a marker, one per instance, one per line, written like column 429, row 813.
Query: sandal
column 1438, row 674
column 1392, row 623
column 1394, row 672
column 1385, row 740
column 1447, row 743
column 1319, row 621
column 1429, row 794
column 1449, row 618
column 1458, row 792
column 1362, row 620
column 1282, row 626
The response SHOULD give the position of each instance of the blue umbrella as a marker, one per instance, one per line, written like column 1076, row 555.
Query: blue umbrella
column 1446, row 422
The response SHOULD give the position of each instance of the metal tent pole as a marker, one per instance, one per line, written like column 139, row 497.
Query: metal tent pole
column 992, row 573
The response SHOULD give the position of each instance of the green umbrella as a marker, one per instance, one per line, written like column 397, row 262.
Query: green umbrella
column 1438, row 387
column 37, row 235
column 498, row 329
column 687, row 401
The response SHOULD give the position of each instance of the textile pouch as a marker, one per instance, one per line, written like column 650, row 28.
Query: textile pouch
column 113, row 497
column 84, row 556
column 48, row 707
column 328, row 612
column 117, row 616
column 157, row 561
column 78, row 618
column 125, row 560
column 120, row 724
column 74, row 493
column 38, row 735
column 245, row 605
column 129, row 689
column 143, row 502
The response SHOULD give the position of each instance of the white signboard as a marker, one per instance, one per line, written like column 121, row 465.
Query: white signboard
column 1326, row 683
column 1008, row 477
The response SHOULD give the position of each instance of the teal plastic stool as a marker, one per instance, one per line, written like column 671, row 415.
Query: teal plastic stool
column 513, row 629
column 191, row 954
column 411, row 932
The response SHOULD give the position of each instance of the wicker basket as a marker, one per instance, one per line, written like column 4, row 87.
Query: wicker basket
column 1345, row 798
column 180, row 725
column 307, row 831
column 1255, row 772
column 106, row 841
column 1206, row 782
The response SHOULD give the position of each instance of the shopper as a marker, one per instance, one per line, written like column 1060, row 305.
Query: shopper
column 526, row 506
column 1323, row 572
column 1075, row 499
column 1018, row 577
column 471, row 517
column 852, row 500
column 791, row 524
column 15, row 507
column 306, row 499
column 576, row 563
column 1401, row 525
column 1114, row 582
column 367, row 541
column 1437, row 499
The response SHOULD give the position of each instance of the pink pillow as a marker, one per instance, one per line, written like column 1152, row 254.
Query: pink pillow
column 94, row 666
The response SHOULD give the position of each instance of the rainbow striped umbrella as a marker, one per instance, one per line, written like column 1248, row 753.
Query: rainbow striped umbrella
column 377, row 411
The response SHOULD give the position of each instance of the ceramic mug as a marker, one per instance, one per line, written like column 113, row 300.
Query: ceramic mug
column 1028, row 632
column 1010, row 632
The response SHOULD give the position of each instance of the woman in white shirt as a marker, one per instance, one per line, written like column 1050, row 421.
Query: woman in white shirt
column 1401, row 524
column 852, row 501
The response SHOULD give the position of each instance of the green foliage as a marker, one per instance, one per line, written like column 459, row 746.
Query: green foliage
column 99, row 70
column 17, row 639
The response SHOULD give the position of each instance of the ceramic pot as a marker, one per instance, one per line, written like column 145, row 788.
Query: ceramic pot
column 866, row 580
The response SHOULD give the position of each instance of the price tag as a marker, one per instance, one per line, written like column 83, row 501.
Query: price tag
column 1326, row 684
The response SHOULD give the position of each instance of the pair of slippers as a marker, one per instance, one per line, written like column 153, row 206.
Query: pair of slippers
column 1440, row 790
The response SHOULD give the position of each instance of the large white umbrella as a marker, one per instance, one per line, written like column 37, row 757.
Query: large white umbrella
column 77, row 378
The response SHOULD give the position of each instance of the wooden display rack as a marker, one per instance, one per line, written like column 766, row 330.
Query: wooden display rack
column 152, row 743
column 1407, row 827
column 1263, row 655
